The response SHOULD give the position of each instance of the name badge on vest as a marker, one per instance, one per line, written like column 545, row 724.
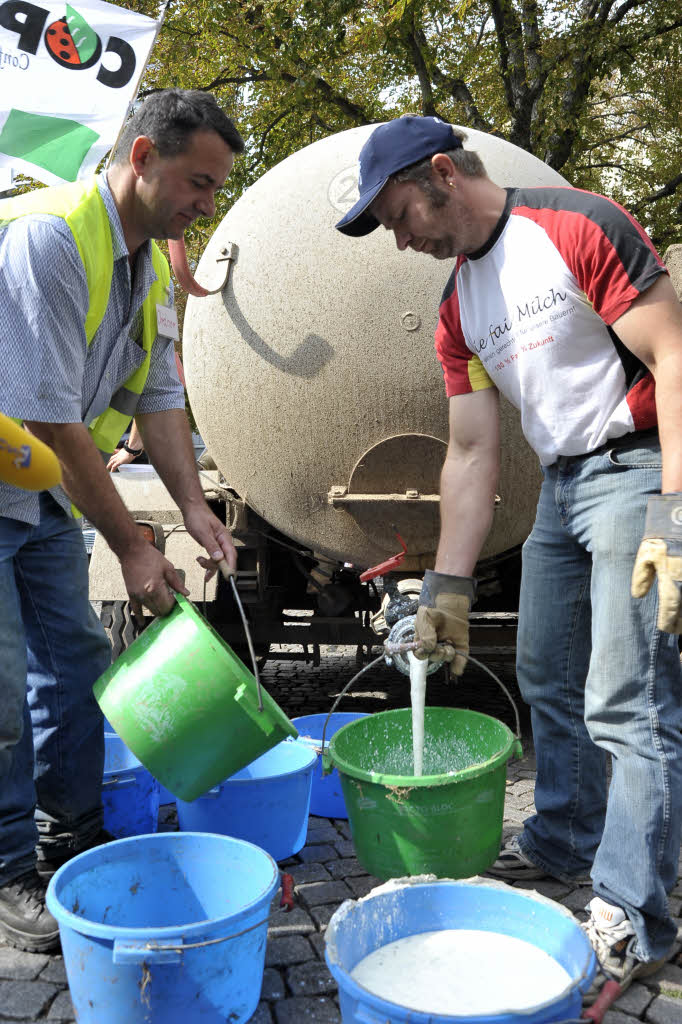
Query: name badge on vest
column 167, row 321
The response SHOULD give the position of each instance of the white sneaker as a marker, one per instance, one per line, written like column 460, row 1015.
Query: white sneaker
column 613, row 939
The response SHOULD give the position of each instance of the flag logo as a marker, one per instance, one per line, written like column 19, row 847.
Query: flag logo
column 71, row 42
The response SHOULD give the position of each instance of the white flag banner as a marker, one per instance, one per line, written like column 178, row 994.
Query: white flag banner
column 67, row 78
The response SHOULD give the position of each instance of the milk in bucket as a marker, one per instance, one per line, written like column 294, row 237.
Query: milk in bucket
column 463, row 972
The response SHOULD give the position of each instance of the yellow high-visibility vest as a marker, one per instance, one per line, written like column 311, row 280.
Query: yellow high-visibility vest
column 82, row 208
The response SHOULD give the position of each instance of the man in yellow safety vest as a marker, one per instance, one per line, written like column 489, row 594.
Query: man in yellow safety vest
column 87, row 318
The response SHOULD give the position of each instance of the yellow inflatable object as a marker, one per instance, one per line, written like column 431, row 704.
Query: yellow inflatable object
column 24, row 460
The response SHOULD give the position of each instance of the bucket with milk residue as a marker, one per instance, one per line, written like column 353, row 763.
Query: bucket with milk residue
column 447, row 821
column 439, row 951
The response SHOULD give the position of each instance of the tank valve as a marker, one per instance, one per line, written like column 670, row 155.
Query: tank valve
column 400, row 641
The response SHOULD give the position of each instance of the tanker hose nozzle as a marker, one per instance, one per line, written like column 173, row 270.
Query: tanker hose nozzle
column 401, row 639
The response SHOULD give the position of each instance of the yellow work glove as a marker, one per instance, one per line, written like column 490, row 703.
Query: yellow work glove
column 443, row 617
column 660, row 556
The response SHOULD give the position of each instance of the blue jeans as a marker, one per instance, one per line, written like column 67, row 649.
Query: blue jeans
column 602, row 680
column 51, row 728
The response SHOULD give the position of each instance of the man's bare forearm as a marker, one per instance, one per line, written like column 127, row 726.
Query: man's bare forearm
column 467, row 499
column 669, row 408
column 168, row 443
column 135, row 440
column 87, row 483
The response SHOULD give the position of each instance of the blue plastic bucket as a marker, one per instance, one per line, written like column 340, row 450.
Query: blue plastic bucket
column 130, row 795
column 165, row 929
column 358, row 929
column 326, row 798
column 266, row 803
column 165, row 795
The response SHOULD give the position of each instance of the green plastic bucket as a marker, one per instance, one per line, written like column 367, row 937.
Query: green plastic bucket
column 448, row 822
column 186, row 706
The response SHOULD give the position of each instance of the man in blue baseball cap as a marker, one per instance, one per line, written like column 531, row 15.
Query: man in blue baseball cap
column 389, row 149
column 558, row 300
column 421, row 152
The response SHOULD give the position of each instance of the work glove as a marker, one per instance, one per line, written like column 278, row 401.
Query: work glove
column 660, row 554
column 443, row 617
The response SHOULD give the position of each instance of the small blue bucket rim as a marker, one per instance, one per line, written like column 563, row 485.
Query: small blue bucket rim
column 195, row 929
column 316, row 741
column 234, row 781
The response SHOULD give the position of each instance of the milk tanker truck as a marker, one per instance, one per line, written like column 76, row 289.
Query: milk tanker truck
column 313, row 380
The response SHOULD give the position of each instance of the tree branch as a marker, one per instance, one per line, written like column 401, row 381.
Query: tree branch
column 349, row 108
column 263, row 139
column 419, row 62
column 461, row 94
column 646, row 36
column 481, row 30
column 669, row 189
column 628, row 134
column 594, row 167
column 625, row 9
column 510, row 39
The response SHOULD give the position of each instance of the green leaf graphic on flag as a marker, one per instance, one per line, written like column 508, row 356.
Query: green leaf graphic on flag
column 57, row 144
column 84, row 39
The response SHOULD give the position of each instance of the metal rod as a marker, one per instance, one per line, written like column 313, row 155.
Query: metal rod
column 248, row 640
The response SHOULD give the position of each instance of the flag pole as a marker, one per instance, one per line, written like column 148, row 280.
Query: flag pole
column 159, row 23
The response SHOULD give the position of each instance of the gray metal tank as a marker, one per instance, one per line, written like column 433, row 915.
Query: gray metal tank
column 313, row 378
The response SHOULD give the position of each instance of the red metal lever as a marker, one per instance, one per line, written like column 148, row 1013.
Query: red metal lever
column 388, row 566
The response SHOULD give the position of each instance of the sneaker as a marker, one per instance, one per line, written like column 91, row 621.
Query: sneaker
column 49, row 862
column 514, row 865
column 613, row 939
column 25, row 921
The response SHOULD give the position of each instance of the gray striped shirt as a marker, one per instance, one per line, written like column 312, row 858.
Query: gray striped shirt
column 48, row 373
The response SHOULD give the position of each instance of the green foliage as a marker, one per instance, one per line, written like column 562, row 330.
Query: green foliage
column 591, row 86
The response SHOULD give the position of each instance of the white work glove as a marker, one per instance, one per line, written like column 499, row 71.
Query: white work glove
column 443, row 617
column 660, row 556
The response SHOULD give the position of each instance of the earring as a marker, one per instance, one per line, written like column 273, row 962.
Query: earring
column 451, row 184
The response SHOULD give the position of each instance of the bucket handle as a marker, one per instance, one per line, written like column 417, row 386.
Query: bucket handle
column 129, row 951
column 229, row 575
column 517, row 749
column 326, row 762
column 450, row 652
column 120, row 780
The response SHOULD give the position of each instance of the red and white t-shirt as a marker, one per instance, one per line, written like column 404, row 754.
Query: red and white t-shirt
column 531, row 313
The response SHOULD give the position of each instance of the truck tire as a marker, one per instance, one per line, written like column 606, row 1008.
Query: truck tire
column 118, row 623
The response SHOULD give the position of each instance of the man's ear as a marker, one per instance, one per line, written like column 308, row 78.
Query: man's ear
column 142, row 154
column 443, row 168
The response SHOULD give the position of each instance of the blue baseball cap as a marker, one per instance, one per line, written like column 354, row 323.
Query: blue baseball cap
column 390, row 148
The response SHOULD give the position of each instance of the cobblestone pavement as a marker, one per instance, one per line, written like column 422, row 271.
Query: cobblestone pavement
column 297, row 987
